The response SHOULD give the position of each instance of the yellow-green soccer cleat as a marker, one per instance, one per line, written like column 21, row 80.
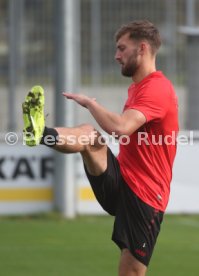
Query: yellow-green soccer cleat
column 33, row 116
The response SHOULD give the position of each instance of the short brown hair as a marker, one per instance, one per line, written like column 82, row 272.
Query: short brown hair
column 139, row 30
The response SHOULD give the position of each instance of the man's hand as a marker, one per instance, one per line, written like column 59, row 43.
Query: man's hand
column 80, row 99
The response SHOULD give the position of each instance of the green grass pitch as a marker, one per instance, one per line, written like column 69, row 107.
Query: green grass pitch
column 52, row 246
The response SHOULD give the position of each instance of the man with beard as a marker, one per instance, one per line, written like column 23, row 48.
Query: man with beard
column 134, row 186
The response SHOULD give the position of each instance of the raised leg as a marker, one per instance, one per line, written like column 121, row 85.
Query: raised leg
column 86, row 140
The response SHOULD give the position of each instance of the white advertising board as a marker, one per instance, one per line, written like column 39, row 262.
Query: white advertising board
column 26, row 178
column 184, row 197
column 26, row 181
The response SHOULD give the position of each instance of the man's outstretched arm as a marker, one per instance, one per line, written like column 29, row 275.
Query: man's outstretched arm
column 120, row 124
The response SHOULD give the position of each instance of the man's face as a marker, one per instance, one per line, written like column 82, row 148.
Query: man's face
column 127, row 55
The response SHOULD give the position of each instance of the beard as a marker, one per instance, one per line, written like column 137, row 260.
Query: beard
column 131, row 67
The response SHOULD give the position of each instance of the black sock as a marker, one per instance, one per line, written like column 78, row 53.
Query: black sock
column 50, row 137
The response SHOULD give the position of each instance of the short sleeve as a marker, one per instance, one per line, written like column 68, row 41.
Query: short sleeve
column 152, row 100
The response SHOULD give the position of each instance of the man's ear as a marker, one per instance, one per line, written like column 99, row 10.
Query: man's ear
column 143, row 47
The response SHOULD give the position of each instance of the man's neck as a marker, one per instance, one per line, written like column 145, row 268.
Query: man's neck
column 143, row 72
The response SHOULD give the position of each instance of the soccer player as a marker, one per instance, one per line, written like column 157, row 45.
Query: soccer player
column 134, row 186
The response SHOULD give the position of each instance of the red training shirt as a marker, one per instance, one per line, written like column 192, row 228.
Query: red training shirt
column 146, row 161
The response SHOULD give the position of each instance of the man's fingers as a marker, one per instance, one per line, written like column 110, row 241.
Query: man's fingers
column 67, row 95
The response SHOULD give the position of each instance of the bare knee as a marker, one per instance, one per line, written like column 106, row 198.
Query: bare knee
column 92, row 136
column 94, row 153
column 130, row 266
column 87, row 128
